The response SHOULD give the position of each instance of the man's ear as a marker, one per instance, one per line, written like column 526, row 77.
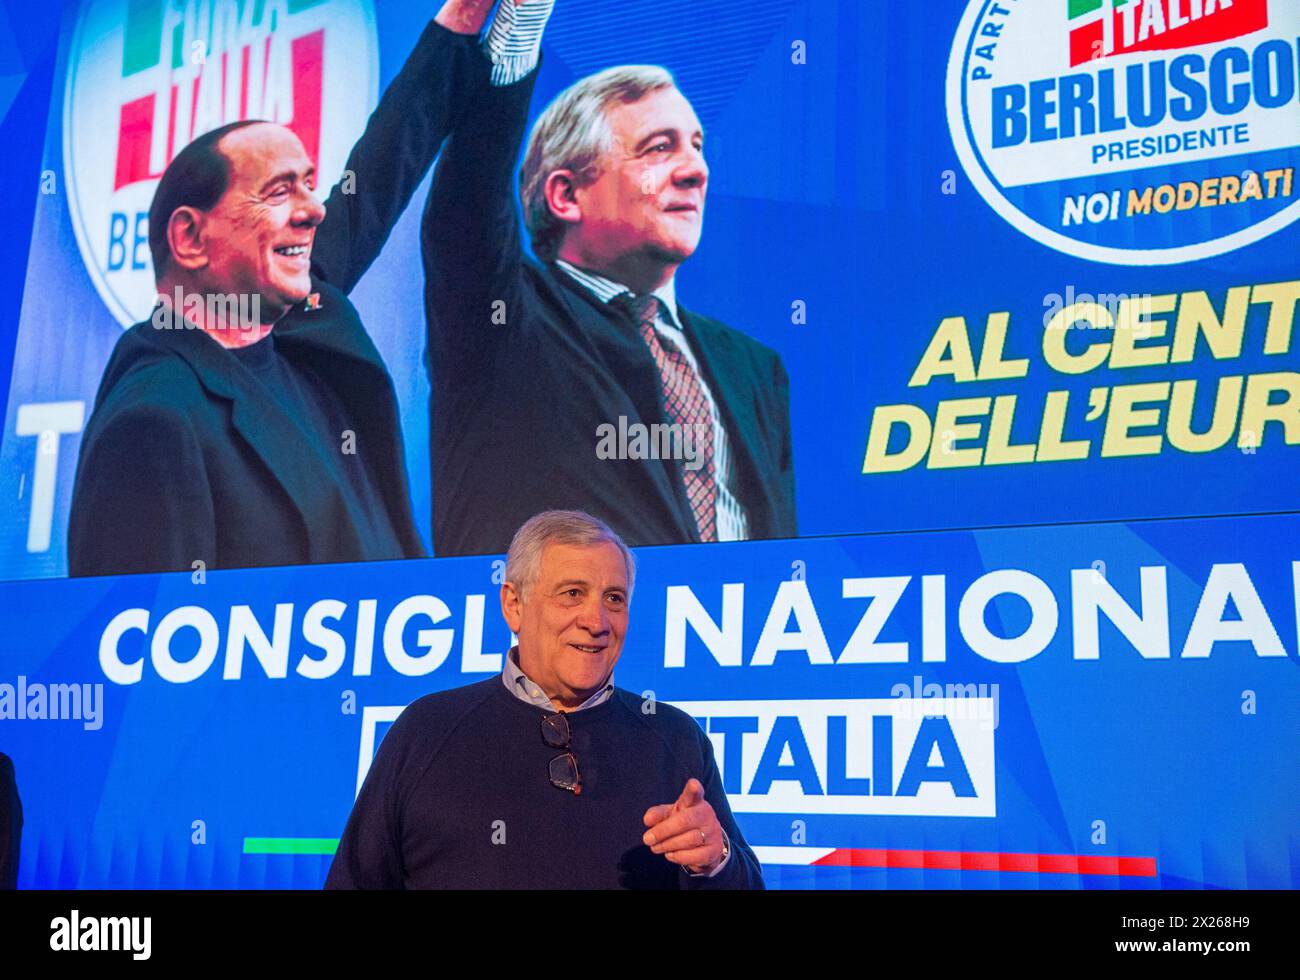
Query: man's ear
column 185, row 238
column 561, row 196
column 512, row 606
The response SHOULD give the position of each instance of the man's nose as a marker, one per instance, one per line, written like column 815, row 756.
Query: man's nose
column 693, row 171
column 310, row 210
column 593, row 618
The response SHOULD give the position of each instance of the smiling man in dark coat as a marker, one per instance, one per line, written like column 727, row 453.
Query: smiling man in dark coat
column 221, row 439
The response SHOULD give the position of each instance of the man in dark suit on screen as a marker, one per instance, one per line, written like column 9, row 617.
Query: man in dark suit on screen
column 580, row 382
column 251, row 421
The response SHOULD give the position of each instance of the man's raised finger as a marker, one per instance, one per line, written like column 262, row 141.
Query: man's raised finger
column 692, row 793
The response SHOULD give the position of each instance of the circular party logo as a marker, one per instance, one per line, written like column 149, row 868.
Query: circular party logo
column 145, row 77
column 1139, row 132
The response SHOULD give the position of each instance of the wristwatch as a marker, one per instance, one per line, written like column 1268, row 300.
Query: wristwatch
column 726, row 853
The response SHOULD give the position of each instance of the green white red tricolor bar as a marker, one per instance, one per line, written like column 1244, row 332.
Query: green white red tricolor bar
column 868, row 857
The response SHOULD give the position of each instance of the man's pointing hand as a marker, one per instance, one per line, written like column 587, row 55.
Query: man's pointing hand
column 686, row 832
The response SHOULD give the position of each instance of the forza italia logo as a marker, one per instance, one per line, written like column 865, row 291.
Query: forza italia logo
column 1138, row 132
column 146, row 77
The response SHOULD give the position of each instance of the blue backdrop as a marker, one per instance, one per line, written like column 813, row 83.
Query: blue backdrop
column 848, row 230
column 1175, row 754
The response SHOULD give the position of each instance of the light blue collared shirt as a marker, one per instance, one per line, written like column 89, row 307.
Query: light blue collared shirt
column 521, row 686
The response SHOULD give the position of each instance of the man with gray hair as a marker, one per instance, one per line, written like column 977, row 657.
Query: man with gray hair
column 228, row 441
column 535, row 367
column 548, row 776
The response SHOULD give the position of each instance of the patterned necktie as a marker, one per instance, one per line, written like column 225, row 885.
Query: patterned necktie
column 685, row 405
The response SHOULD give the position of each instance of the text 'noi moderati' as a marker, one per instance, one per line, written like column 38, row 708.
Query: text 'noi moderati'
column 418, row 634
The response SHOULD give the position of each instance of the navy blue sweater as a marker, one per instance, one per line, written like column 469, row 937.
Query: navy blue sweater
column 459, row 796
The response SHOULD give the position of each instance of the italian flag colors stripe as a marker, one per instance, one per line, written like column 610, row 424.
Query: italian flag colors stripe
column 144, row 30
column 1082, row 8
column 864, row 857
column 1087, row 26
